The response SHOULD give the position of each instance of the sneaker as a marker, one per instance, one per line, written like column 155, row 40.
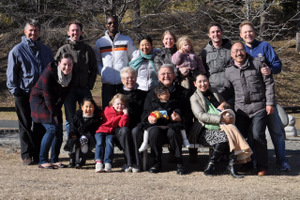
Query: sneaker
column 107, row 167
column 98, row 167
column 135, row 169
column 126, row 168
column 143, row 147
column 285, row 167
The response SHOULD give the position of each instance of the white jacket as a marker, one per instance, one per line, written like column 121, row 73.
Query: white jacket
column 146, row 73
column 112, row 56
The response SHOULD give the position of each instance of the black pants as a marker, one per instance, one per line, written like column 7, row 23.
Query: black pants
column 254, row 129
column 158, row 137
column 137, row 137
column 30, row 140
column 123, row 135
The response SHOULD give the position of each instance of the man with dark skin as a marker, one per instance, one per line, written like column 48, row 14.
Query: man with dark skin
column 113, row 52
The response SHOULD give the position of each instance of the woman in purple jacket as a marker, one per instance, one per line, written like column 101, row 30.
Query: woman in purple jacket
column 46, row 100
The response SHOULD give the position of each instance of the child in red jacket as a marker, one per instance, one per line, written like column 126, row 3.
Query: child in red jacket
column 114, row 116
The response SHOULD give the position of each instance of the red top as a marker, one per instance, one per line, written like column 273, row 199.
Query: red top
column 112, row 120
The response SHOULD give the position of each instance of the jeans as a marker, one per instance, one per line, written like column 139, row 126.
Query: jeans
column 277, row 135
column 30, row 140
column 75, row 95
column 108, row 91
column 256, row 136
column 104, row 150
column 53, row 138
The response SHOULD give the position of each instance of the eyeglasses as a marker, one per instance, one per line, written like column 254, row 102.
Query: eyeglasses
column 110, row 23
column 129, row 78
column 238, row 50
column 166, row 74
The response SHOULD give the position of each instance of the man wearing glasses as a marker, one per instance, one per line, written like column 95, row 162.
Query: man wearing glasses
column 113, row 52
column 254, row 97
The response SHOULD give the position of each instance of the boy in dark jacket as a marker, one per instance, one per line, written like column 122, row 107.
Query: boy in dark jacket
column 162, row 109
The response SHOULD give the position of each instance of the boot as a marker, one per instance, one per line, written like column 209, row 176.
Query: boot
column 218, row 151
column 72, row 160
column 230, row 167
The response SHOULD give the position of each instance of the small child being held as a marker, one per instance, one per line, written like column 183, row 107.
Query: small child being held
column 115, row 115
column 164, row 111
column 187, row 62
column 82, row 130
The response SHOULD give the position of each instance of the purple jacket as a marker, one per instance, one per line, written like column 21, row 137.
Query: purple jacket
column 190, row 60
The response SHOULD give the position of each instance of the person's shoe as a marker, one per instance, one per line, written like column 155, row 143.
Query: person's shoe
column 262, row 172
column 144, row 147
column 98, row 167
column 107, row 167
column 78, row 166
column 126, row 168
column 285, row 167
column 135, row 169
column 27, row 161
column 155, row 168
column 46, row 166
column 58, row 165
column 180, row 169
column 209, row 169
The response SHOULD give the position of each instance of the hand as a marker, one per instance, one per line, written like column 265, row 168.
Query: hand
column 180, row 51
column 265, row 70
column 175, row 117
column 227, row 119
column 223, row 106
column 125, row 111
column 184, row 70
column 270, row 109
column 152, row 119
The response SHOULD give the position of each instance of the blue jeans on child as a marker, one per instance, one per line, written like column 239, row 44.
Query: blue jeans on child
column 53, row 138
column 104, row 150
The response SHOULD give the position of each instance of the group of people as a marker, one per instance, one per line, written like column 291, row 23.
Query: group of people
column 150, row 97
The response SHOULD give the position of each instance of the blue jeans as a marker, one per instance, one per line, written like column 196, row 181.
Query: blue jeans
column 53, row 138
column 75, row 95
column 277, row 135
column 254, row 129
column 104, row 150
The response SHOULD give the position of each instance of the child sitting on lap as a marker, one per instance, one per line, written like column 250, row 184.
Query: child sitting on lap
column 164, row 110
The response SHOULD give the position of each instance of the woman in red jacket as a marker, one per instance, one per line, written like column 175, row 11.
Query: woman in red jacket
column 115, row 118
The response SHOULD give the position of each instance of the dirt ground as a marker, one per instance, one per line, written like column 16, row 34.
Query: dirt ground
column 30, row 182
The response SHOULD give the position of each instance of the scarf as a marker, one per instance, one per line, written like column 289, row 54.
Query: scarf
column 63, row 80
column 135, row 64
column 211, row 110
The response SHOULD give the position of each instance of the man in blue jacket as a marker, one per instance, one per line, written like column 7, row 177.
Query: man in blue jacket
column 272, row 64
column 26, row 62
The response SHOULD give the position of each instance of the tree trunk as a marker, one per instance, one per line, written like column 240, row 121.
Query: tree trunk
column 137, row 17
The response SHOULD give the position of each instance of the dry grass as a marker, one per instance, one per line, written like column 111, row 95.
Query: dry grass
column 29, row 182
